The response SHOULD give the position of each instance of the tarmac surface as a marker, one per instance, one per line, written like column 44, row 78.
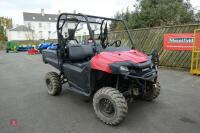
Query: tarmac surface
column 25, row 106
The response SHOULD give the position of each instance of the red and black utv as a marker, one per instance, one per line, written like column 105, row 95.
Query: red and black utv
column 94, row 66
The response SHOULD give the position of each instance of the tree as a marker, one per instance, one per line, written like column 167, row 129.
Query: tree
column 5, row 23
column 165, row 12
column 197, row 16
column 151, row 13
column 2, row 34
column 114, row 25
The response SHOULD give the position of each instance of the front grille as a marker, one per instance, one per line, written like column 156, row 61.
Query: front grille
column 139, row 70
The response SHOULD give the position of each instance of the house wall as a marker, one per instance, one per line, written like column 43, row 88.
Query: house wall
column 42, row 30
column 19, row 35
column 47, row 30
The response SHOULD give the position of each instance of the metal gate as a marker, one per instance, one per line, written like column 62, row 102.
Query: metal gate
column 195, row 63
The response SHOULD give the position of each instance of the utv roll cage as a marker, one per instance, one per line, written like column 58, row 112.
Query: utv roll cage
column 88, row 19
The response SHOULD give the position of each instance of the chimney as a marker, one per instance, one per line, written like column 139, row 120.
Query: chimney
column 42, row 11
column 74, row 11
column 59, row 11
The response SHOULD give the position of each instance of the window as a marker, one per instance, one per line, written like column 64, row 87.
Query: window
column 66, row 26
column 95, row 27
column 49, row 18
column 33, row 27
column 55, row 18
column 81, row 25
column 40, row 25
column 18, row 34
column 33, row 18
column 40, row 35
column 49, row 25
column 49, row 34
column 29, row 25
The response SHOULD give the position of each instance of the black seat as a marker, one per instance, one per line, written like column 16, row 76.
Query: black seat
column 79, row 52
column 81, row 64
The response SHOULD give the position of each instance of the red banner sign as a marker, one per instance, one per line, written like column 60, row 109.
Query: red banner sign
column 178, row 41
column 197, row 40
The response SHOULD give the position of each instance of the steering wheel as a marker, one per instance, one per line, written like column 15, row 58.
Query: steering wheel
column 117, row 43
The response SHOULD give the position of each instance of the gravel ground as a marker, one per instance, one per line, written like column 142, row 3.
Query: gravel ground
column 24, row 100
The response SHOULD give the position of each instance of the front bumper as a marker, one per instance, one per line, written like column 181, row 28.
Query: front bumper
column 148, row 76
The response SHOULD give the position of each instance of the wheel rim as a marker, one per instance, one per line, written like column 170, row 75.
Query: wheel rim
column 49, row 85
column 106, row 107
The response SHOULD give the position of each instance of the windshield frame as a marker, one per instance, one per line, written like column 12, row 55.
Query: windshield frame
column 64, row 17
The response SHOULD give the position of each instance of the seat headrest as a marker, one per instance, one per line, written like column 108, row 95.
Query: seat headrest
column 80, row 52
column 71, row 33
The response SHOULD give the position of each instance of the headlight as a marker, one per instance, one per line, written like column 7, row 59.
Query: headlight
column 123, row 69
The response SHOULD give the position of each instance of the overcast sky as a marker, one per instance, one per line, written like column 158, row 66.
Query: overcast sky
column 107, row 8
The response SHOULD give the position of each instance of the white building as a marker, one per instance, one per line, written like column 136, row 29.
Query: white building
column 43, row 25
column 20, row 33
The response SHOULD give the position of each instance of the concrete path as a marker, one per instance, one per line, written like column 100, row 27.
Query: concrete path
column 24, row 103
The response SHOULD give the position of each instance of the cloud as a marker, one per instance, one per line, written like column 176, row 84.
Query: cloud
column 107, row 8
column 24, row 4
column 196, row 4
column 14, row 8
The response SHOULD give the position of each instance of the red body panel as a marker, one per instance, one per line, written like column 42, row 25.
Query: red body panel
column 103, row 60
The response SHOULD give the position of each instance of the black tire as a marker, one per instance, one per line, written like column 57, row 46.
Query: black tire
column 53, row 83
column 153, row 93
column 117, row 101
column 43, row 59
column 40, row 50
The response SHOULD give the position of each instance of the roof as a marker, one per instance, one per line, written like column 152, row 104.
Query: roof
column 38, row 17
column 21, row 28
